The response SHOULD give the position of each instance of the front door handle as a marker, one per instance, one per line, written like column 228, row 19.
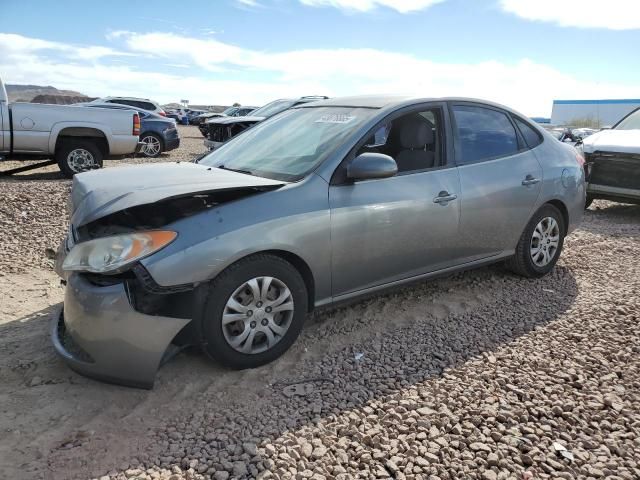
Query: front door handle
column 530, row 180
column 444, row 197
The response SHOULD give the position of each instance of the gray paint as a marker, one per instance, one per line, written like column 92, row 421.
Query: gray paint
column 97, row 194
column 356, row 238
column 369, row 166
column 126, row 346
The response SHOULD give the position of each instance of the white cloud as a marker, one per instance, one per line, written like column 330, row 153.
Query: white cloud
column 402, row 6
column 13, row 43
column 609, row 14
column 219, row 73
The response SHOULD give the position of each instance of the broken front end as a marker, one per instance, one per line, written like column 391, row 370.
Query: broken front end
column 613, row 176
column 117, row 323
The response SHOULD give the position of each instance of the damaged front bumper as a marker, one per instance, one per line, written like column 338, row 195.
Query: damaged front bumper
column 99, row 334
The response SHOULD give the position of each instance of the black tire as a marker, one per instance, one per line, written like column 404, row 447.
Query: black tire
column 588, row 201
column 157, row 138
column 88, row 147
column 522, row 262
column 219, row 291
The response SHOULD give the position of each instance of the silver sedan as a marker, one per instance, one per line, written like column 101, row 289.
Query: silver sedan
column 321, row 204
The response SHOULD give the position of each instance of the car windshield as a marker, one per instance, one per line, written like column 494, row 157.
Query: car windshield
column 230, row 110
column 290, row 145
column 270, row 109
column 632, row 122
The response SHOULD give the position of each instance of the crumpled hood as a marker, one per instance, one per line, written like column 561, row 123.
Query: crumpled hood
column 230, row 120
column 621, row 141
column 100, row 193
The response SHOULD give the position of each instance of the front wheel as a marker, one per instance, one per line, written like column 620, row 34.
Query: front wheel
column 540, row 244
column 77, row 156
column 253, row 312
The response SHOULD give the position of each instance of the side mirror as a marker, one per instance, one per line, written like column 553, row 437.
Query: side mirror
column 369, row 165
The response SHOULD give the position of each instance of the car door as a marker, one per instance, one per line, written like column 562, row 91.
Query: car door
column 500, row 177
column 390, row 229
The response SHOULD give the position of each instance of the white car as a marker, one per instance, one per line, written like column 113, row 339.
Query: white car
column 137, row 103
column 613, row 161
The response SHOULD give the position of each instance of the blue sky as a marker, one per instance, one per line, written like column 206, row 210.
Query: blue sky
column 523, row 53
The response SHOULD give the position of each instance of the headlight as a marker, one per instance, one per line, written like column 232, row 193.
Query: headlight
column 110, row 254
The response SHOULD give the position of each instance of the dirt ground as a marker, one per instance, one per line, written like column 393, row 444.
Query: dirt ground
column 479, row 375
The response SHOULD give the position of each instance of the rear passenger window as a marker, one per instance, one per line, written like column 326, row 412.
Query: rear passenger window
column 483, row 134
column 532, row 137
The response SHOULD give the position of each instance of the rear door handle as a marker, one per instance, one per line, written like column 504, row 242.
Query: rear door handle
column 444, row 198
column 530, row 180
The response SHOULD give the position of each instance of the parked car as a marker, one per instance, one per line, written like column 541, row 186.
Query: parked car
column 158, row 134
column 200, row 119
column 234, row 112
column 613, row 162
column 77, row 138
column 191, row 114
column 570, row 135
column 177, row 114
column 320, row 204
column 137, row 103
column 218, row 130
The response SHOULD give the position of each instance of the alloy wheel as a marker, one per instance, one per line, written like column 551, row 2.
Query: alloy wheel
column 151, row 146
column 257, row 315
column 545, row 241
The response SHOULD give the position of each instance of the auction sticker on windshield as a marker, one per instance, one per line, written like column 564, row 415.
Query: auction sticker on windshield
column 335, row 118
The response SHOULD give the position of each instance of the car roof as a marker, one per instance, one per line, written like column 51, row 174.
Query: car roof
column 383, row 101
column 119, row 106
column 399, row 101
column 129, row 98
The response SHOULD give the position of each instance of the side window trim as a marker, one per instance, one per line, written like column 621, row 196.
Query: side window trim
column 522, row 146
column 446, row 142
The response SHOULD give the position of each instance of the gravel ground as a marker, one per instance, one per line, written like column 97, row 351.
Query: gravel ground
column 33, row 209
column 481, row 375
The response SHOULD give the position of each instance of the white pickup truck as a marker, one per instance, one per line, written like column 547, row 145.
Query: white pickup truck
column 75, row 138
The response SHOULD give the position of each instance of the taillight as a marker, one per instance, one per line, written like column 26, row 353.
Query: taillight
column 161, row 112
column 580, row 159
column 136, row 124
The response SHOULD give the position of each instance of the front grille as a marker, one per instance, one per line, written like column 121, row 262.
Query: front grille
column 218, row 133
column 621, row 170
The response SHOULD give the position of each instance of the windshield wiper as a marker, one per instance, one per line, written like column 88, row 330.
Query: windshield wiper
column 246, row 172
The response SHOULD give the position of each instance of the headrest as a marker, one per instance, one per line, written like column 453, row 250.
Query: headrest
column 415, row 133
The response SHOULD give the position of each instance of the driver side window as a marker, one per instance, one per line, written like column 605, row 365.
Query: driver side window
column 413, row 140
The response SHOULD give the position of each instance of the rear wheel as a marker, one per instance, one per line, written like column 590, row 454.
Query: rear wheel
column 253, row 312
column 77, row 156
column 540, row 244
column 153, row 145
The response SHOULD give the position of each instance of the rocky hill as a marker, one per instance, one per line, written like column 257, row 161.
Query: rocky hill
column 46, row 94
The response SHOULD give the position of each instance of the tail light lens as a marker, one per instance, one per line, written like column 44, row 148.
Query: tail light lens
column 136, row 124
column 161, row 112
